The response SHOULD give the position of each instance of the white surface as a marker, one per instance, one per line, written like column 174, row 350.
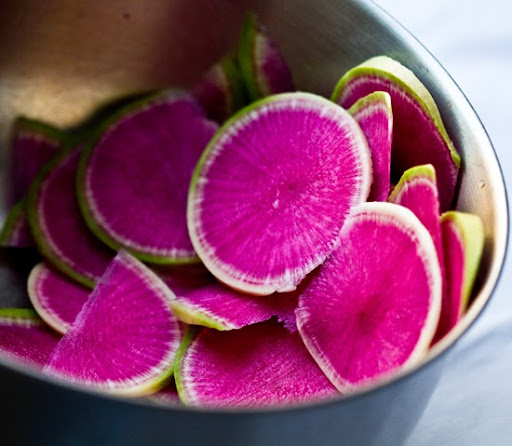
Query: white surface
column 472, row 405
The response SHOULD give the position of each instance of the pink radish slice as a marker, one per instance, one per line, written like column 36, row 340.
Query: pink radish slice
column 273, row 188
column 56, row 298
column 374, row 116
column 259, row 365
column 32, row 145
column 133, row 179
column 222, row 308
column 374, row 305
column 15, row 231
column 263, row 66
column 57, row 224
column 220, row 90
column 463, row 242
column 125, row 338
column 24, row 338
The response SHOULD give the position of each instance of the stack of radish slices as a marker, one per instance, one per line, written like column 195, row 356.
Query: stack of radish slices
column 242, row 244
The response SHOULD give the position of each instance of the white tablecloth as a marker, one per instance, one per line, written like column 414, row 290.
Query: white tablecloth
column 472, row 406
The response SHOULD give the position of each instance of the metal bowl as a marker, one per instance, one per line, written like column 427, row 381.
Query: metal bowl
column 62, row 59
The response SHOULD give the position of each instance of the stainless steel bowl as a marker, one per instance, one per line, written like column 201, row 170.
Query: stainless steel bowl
column 61, row 59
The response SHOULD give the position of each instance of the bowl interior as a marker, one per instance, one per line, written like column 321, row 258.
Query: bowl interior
column 62, row 59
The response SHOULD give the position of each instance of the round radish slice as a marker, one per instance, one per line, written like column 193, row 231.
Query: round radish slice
column 259, row 365
column 24, row 337
column 374, row 116
column 419, row 135
column 125, row 338
column 133, row 180
column 374, row 305
column 15, row 231
column 463, row 243
column 261, row 62
column 56, row 299
column 57, row 224
column 273, row 188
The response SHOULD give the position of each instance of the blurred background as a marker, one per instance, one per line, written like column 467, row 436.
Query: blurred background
column 472, row 405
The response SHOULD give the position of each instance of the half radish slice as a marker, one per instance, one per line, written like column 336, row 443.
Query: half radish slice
column 382, row 287
column 419, row 135
column 56, row 299
column 374, row 116
column 133, row 179
column 24, row 337
column 59, row 230
column 463, row 242
column 125, row 338
column 273, row 189
column 263, row 66
column 222, row 308
column 259, row 365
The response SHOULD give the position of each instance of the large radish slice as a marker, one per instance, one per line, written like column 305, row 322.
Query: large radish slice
column 373, row 306
column 463, row 243
column 374, row 115
column 419, row 135
column 263, row 66
column 24, row 337
column 259, row 365
column 125, row 338
column 272, row 190
column 56, row 298
column 59, row 230
column 134, row 177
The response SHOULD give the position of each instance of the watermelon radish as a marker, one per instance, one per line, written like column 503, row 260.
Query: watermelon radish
column 382, row 290
column 259, row 365
column 417, row 191
column 60, row 233
column 24, row 337
column 33, row 144
column 56, row 299
column 125, row 338
column 263, row 67
column 463, row 242
column 222, row 308
column 419, row 135
column 133, row 178
column 273, row 188
column 15, row 231
column 220, row 91
column 374, row 115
